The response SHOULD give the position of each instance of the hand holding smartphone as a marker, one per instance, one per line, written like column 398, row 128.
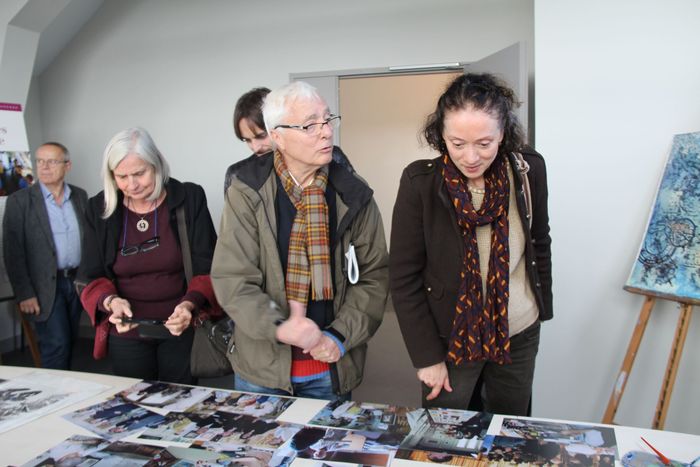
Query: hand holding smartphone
column 149, row 328
column 147, row 321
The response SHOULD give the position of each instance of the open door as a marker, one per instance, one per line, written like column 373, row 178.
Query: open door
column 383, row 110
column 509, row 64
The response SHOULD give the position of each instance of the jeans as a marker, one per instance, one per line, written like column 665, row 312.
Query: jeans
column 59, row 331
column 506, row 388
column 321, row 388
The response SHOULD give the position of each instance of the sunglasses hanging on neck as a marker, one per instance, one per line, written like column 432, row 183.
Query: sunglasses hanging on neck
column 142, row 225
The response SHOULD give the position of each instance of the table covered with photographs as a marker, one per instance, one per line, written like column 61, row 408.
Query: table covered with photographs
column 50, row 417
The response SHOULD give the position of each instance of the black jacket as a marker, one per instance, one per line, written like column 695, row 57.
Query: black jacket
column 427, row 250
column 102, row 238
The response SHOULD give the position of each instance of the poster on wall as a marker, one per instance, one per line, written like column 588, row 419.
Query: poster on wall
column 668, row 263
column 15, row 169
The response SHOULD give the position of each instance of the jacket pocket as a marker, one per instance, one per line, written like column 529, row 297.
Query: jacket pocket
column 433, row 288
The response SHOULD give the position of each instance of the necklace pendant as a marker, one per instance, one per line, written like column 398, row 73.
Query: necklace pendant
column 142, row 225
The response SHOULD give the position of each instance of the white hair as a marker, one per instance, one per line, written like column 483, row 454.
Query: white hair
column 278, row 102
column 138, row 142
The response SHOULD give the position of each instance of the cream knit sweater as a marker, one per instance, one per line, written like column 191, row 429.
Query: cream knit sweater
column 522, row 309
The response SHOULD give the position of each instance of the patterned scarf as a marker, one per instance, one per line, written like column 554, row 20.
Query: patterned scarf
column 480, row 327
column 309, row 257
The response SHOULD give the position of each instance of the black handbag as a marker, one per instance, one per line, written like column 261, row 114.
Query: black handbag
column 213, row 340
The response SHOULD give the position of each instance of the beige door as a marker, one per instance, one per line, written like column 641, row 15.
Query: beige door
column 381, row 126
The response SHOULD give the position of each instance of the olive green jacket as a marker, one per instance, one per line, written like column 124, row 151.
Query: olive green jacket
column 248, row 277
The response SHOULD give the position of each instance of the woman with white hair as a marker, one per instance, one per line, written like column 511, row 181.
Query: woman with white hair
column 137, row 294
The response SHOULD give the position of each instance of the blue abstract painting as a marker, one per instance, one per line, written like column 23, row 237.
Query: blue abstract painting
column 668, row 264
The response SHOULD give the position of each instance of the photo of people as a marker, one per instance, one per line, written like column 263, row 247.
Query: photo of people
column 364, row 416
column 432, row 457
column 219, row 431
column 449, row 431
column 583, row 439
column 15, row 171
column 69, row 452
column 114, row 418
column 181, row 457
column 255, row 405
column 505, row 450
column 88, row 451
column 34, row 395
column 168, row 396
column 333, row 445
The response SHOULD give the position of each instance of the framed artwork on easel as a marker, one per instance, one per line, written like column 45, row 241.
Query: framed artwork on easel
column 668, row 263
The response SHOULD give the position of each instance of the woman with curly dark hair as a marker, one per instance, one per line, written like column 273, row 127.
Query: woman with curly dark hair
column 470, row 254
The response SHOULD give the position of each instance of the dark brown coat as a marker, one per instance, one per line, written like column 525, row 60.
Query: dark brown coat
column 427, row 250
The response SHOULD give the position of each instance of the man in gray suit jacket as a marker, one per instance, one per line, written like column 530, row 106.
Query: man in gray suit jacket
column 42, row 232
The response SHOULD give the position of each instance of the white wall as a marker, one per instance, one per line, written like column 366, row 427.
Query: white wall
column 615, row 82
column 177, row 67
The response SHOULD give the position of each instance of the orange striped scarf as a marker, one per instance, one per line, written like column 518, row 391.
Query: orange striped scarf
column 309, row 256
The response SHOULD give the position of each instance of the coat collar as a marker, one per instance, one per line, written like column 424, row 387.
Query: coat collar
column 354, row 191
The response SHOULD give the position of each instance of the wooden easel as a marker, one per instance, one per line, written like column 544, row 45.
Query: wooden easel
column 674, row 359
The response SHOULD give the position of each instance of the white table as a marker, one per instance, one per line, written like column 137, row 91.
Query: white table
column 23, row 443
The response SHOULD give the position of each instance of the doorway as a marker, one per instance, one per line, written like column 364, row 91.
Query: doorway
column 382, row 118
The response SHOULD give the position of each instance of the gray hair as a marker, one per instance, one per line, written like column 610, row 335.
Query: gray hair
column 138, row 142
column 277, row 103
column 64, row 150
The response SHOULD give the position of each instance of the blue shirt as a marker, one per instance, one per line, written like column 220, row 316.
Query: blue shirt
column 64, row 227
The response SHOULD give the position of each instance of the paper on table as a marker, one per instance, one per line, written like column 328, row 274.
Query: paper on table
column 34, row 395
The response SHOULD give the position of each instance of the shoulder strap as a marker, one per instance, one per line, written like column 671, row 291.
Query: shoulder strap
column 523, row 167
column 184, row 242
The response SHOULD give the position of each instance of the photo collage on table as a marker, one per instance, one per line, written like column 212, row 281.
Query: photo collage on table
column 154, row 423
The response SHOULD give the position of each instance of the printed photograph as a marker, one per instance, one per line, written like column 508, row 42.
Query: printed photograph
column 114, row 418
column 448, row 431
column 168, row 396
column 15, row 171
column 34, row 395
column 220, row 431
column 184, row 457
column 331, row 445
column 364, row 416
column 254, row 405
column 579, row 438
column 68, row 453
column 503, row 450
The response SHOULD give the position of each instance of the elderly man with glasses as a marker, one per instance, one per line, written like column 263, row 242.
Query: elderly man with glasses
column 301, row 260
column 42, row 233
column 249, row 124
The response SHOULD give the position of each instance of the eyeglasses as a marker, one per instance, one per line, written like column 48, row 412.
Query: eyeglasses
column 147, row 245
column 313, row 129
column 50, row 162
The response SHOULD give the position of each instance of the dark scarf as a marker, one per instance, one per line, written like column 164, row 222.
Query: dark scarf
column 480, row 327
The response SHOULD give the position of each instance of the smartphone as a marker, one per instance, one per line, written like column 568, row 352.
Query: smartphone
column 147, row 321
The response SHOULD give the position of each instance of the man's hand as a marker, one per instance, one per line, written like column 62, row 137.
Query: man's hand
column 181, row 318
column 299, row 331
column 326, row 350
column 435, row 377
column 30, row 306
